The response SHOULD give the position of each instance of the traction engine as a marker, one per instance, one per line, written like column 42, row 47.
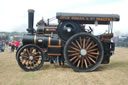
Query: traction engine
column 69, row 40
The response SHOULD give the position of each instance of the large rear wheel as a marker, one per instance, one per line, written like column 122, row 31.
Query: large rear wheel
column 83, row 52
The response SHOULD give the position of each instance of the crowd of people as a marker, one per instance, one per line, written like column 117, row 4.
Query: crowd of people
column 14, row 45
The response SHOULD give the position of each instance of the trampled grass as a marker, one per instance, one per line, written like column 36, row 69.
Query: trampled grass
column 115, row 73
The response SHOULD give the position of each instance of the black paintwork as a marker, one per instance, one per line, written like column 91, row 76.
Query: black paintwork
column 42, row 41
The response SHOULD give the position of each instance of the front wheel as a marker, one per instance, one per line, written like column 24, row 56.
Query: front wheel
column 30, row 57
column 83, row 52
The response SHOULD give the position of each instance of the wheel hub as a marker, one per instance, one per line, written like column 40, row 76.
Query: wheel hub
column 68, row 29
column 83, row 52
column 30, row 57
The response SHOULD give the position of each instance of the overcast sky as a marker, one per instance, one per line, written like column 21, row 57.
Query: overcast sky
column 13, row 13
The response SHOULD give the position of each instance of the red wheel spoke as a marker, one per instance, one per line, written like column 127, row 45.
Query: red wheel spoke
column 36, row 58
column 23, row 55
column 31, row 49
column 73, row 54
column 78, row 63
column 28, row 52
column 78, row 44
column 75, row 45
column 82, row 62
column 93, row 46
column 73, row 58
column 85, row 63
column 87, row 41
column 92, row 56
column 88, row 60
column 75, row 48
column 80, row 41
column 89, row 45
column 95, row 53
column 92, row 50
column 84, row 43
column 92, row 60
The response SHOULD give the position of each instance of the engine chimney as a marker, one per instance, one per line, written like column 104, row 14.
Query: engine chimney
column 30, row 21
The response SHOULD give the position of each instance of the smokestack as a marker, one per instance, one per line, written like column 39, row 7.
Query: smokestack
column 30, row 21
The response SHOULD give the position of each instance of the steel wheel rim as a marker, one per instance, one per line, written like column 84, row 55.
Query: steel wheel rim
column 25, row 58
column 86, row 61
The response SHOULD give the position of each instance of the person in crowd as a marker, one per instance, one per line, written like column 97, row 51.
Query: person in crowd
column 9, row 46
column 12, row 46
column 2, row 46
column 17, row 44
column 7, row 42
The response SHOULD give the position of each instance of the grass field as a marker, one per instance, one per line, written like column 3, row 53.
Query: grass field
column 115, row 73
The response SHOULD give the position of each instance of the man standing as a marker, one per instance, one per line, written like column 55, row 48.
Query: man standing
column 12, row 46
column 17, row 44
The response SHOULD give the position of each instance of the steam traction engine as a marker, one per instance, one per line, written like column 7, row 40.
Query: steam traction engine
column 81, row 50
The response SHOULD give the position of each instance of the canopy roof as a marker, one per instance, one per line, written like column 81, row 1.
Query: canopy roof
column 88, row 18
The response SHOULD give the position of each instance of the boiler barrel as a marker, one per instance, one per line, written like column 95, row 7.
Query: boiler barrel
column 40, row 40
column 53, row 45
